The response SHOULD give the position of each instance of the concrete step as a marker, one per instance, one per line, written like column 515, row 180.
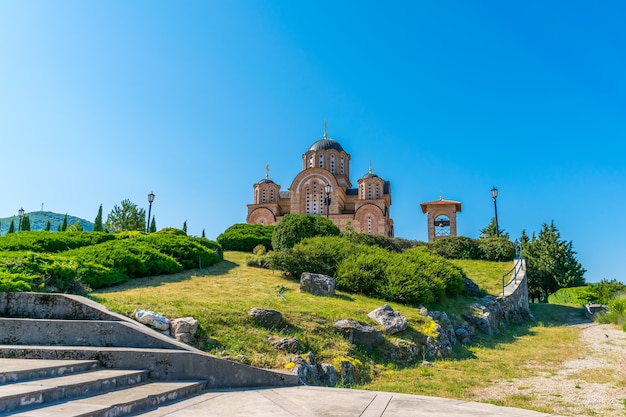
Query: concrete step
column 26, row 394
column 122, row 402
column 17, row 370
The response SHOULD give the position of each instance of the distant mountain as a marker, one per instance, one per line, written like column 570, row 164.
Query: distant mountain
column 39, row 219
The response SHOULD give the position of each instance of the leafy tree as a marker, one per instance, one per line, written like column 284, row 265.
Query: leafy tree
column 48, row 226
column 153, row 227
column 97, row 224
column 76, row 227
column 11, row 227
column 185, row 227
column 490, row 230
column 25, row 227
column 64, row 225
column 126, row 217
column 292, row 228
column 550, row 263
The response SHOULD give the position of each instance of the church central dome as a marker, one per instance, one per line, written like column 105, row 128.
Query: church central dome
column 326, row 144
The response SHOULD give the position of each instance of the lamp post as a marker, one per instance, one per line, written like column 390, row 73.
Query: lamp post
column 20, row 213
column 494, row 194
column 150, row 201
column 327, row 189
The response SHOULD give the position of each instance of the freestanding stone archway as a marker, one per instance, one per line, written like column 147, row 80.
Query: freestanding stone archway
column 441, row 217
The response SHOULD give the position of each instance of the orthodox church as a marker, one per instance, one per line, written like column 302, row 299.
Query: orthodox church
column 323, row 188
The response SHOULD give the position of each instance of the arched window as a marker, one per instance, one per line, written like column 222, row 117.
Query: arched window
column 377, row 191
column 362, row 192
column 321, row 163
column 272, row 196
column 332, row 164
column 263, row 196
column 369, row 225
column 342, row 166
column 369, row 191
column 310, row 161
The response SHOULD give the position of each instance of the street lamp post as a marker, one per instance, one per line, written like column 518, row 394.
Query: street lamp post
column 494, row 194
column 327, row 188
column 20, row 213
column 150, row 201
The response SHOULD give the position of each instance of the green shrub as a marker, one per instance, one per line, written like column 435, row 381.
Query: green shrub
column 363, row 272
column 245, row 237
column 497, row 249
column 318, row 255
column 384, row 242
column 574, row 295
column 292, row 228
column 603, row 291
column 42, row 241
column 14, row 282
column 616, row 313
column 455, row 247
column 190, row 252
column 172, row 231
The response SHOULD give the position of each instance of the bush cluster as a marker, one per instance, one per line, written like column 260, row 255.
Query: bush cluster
column 245, row 237
column 293, row 228
column 411, row 277
column 96, row 260
column 497, row 249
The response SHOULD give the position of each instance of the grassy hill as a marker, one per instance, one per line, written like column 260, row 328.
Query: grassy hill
column 39, row 219
column 220, row 297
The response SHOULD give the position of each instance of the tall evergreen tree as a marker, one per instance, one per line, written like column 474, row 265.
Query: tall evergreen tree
column 203, row 235
column 153, row 225
column 490, row 230
column 550, row 263
column 185, row 227
column 97, row 224
column 25, row 223
column 48, row 226
column 64, row 225
column 11, row 227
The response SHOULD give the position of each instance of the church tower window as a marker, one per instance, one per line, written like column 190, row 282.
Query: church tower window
column 369, row 191
column 369, row 225
column 377, row 191
column 310, row 161
column 321, row 164
column 342, row 166
column 272, row 196
column 263, row 198
column 332, row 164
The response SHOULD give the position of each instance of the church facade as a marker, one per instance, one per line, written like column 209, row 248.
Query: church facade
column 323, row 188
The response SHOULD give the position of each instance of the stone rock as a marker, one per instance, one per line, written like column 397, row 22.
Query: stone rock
column 390, row 320
column 266, row 317
column 471, row 288
column 463, row 335
column 152, row 319
column 307, row 374
column 360, row 333
column 482, row 318
column 184, row 329
column 311, row 373
column 317, row 284
column 287, row 344
column 347, row 373
column 330, row 378
column 405, row 351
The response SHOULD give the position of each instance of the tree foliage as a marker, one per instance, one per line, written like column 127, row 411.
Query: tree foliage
column 490, row 230
column 25, row 223
column 64, row 225
column 48, row 226
column 11, row 227
column 153, row 227
column 550, row 263
column 292, row 228
column 97, row 223
column 126, row 217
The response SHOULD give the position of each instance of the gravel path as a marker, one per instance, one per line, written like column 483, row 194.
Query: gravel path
column 594, row 384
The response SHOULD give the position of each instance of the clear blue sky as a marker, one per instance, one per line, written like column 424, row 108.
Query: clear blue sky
column 106, row 100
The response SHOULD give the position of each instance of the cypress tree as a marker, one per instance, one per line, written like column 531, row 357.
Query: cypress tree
column 203, row 235
column 25, row 223
column 153, row 225
column 185, row 227
column 97, row 224
column 48, row 226
column 11, row 227
column 64, row 225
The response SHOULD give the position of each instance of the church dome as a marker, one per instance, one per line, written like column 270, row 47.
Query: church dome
column 369, row 175
column 266, row 181
column 326, row 144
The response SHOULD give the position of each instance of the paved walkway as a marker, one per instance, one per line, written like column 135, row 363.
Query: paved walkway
column 329, row 402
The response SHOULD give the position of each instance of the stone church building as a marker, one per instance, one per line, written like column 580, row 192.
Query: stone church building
column 323, row 188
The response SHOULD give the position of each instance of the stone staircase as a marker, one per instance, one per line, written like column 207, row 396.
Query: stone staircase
column 41, row 388
column 65, row 355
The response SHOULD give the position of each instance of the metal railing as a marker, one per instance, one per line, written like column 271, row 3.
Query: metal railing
column 517, row 267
